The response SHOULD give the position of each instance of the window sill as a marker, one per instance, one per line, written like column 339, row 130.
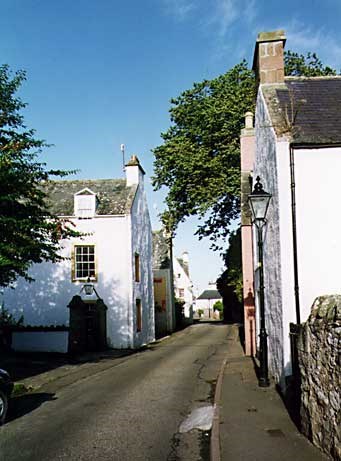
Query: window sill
column 84, row 280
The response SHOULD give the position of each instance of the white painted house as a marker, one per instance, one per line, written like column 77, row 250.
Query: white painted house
column 298, row 158
column 183, row 285
column 115, row 253
column 206, row 301
column 165, row 321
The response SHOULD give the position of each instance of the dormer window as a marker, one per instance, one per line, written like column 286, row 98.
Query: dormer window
column 85, row 204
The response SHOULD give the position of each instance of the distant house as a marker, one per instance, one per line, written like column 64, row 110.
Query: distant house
column 205, row 303
column 296, row 150
column 183, row 285
column 115, row 254
column 163, row 285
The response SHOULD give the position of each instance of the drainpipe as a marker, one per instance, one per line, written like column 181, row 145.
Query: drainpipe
column 294, row 233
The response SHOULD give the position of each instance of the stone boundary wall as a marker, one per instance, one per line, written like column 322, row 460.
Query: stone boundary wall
column 319, row 356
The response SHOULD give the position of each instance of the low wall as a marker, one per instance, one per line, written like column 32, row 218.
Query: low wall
column 40, row 341
column 319, row 356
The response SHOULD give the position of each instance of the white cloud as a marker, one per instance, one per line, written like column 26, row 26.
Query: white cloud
column 180, row 9
column 217, row 15
column 227, row 12
column 250, row 11
column 227, row 20
column 302, row 38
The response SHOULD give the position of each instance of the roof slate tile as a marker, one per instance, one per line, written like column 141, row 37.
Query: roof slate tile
column 308, row 110
column 113, row 196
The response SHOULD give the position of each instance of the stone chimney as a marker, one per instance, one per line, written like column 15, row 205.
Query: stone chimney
column 268, row 60
column 134, row 171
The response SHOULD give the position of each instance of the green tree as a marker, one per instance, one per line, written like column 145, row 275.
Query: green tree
column 218, row 306
column 199, row 160
column 29, row 232
column 309, row 65
column 230, row 282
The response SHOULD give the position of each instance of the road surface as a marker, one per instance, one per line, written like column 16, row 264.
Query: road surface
column 130, row 411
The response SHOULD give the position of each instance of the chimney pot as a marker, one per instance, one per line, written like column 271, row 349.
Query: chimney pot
column 249, row 120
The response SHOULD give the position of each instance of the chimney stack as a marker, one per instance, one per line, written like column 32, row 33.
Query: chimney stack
column 134, row 171
column 268, row 61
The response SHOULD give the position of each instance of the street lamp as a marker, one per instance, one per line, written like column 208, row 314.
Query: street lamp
column 88, row 287
column 259, row 203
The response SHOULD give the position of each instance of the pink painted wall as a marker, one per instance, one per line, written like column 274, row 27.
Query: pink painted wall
column 248, row 291
column 247, row 147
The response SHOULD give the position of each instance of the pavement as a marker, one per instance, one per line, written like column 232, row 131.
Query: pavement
column 249, row 423
column 252, row 422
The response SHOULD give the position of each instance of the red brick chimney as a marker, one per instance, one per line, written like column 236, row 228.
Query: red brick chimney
column 268, row 60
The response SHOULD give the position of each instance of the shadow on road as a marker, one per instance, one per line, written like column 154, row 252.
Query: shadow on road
column 24, row 365
column 21, row 405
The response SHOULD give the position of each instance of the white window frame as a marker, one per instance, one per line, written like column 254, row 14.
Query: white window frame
column 81, row 210
column 77, row 258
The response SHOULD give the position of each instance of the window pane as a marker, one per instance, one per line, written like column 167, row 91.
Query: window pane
column 85, row 261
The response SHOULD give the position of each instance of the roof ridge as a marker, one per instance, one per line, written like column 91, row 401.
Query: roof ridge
column 317, row 77
column 83, row 180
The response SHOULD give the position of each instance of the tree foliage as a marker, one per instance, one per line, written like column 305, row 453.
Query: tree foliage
column 199, row 160
column 297, row 65
column 218, row 306
column 29, row 232
column 232, row 277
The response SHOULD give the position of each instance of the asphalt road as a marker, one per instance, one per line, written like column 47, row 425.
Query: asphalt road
column 130, row 411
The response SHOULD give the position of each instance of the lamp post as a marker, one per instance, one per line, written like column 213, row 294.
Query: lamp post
column 259, row 202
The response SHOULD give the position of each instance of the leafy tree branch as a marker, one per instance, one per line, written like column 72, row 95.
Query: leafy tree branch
column 30, row 233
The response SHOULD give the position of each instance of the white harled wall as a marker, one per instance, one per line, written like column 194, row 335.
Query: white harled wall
column 266, row 168
column 141, row 238
column 318, row 221
column 44, row 302
column 182, row 280
column 286, row 253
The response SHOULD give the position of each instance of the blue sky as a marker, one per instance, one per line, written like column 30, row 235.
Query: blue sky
column 101, row 73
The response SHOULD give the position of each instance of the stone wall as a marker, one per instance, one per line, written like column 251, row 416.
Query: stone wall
column 319, row 353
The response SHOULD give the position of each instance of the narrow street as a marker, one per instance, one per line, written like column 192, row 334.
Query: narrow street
column 130, row 411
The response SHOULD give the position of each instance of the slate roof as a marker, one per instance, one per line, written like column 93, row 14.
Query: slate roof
column 184, row 266
column 210, row 294
column 160, row 251
column 308, row 110
column 114, row 198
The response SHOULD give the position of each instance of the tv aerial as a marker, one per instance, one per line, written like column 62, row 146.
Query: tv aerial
column 123, row 147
